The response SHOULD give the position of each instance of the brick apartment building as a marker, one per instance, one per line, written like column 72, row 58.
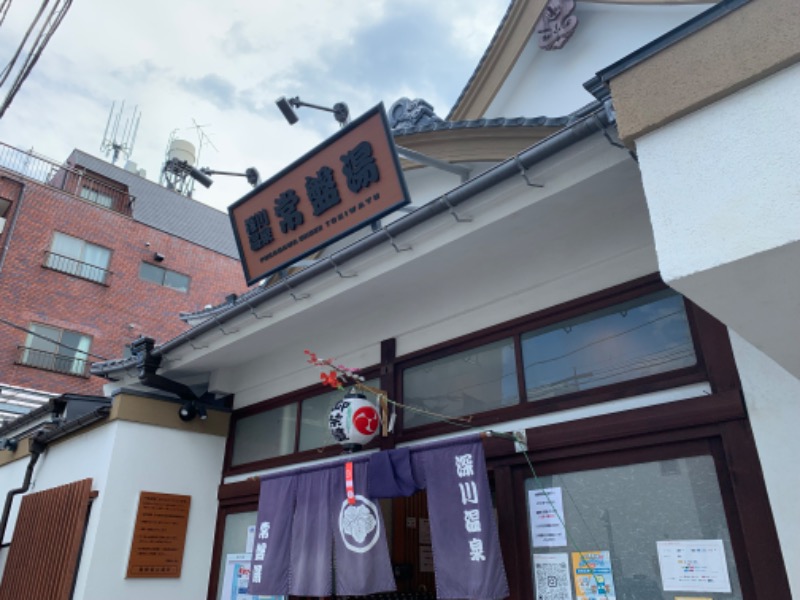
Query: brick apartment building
column 91, row 257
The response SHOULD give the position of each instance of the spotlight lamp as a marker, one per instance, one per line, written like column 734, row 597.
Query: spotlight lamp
column 192, row 409
column 251, row 174
column 174, row 165
column 8, row 444
column 287, row 105
column 187, row 412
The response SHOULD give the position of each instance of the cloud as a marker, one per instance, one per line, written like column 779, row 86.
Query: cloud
column 217, row 90
column 223, row 64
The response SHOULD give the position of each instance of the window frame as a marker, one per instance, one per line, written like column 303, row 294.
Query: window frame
column 164, row 272
column 295, row 397
column 26, row 349
column 705, row 331
column 516, row 328
column 78, row 261
column 93, row 195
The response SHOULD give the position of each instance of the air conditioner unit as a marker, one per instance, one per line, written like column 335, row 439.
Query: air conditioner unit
column 2, row 224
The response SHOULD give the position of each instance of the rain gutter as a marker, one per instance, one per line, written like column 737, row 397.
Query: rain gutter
column 593, row 122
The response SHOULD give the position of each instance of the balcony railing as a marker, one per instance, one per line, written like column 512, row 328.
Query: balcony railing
column 71, row 266
column 50, row 361
column 66, row 178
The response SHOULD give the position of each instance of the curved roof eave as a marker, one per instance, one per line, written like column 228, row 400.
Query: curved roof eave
column 593, row 121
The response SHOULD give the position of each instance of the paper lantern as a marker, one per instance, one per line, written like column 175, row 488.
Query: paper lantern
column 354, row 421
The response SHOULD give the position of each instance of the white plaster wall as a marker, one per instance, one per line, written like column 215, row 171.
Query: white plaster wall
column 79, row 457
column 724, row 199
column 772, row 396
column 551, row 82
column 155, row 459
column 525, row 250
column 721, row 183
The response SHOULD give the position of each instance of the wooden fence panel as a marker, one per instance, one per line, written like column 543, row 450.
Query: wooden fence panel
column 44, row 552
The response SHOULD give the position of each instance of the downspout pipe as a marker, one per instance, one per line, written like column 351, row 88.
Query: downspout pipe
column 13, row 224
column 36, row 449
column 38, row 445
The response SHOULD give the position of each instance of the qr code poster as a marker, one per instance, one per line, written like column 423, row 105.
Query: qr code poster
column 551, row 574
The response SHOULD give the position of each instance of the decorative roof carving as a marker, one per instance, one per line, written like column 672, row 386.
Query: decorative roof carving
column 411, row 114
column 557, row 24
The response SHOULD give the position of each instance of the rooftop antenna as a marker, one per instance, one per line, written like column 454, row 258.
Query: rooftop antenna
column 179, row 172
column 118, row 141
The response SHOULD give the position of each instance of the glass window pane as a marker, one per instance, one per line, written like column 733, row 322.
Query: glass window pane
column 625, row 511
column 265, row 435
column 234, row 541
column 96, row 261
column 39, row 343
column 474, row 381
column 642, row 337
column 65, row 245
column 314, row 432
column 176, row 281
column 152, row 273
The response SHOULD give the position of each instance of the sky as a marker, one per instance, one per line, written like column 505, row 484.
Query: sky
column 221, row 64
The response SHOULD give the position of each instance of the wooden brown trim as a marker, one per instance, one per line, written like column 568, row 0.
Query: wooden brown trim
column 219, row 535
column 715, row 349
column 767, row 570
column 293, row 397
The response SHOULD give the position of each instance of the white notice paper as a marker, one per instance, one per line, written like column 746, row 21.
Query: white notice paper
column 693, row 566
column 552, row 577
column 251, row 539
column 547, row 518
column 424, row 531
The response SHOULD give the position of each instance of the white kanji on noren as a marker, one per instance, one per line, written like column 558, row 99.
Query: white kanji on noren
column 472, row 520
column 256, row 574
column 476, row 550
column 469, row 492
column 263, row 530
column 464, row 465
column 261, row 551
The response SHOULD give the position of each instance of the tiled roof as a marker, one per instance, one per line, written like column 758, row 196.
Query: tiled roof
column 481, row 123
column 168, row 211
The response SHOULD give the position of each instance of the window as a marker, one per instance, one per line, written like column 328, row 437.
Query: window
column 77, row 257
column 642, row 337
column 461, row 384
column 633, row 522
column 165, row 277
column 273, row 432
column 54, row 349
column 630, row 340
column 93, row 195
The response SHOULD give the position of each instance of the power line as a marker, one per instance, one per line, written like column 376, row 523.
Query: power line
column 45, row 33
column 51, row 340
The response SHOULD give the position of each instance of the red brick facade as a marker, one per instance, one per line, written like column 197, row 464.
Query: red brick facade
column 112, row 314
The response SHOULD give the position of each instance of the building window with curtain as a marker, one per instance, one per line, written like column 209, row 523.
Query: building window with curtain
column 78, row 257
column 165, row 277
column 96, row 197
column 55, row 349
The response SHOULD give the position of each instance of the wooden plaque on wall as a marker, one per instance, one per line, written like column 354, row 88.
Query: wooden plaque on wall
column 159, row 535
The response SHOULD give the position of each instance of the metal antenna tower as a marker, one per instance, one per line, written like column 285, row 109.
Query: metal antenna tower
column 116, row 141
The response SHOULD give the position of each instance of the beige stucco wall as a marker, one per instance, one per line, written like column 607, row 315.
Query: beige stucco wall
column 742, row 47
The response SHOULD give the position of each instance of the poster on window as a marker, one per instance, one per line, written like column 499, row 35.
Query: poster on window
column 593, row 577
column 237, row 577
column 551, row 574
column 693, row 566
column 547, row 518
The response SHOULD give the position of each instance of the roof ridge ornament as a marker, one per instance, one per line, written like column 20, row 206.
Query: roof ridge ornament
column 557, row 24
column 410, row 114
